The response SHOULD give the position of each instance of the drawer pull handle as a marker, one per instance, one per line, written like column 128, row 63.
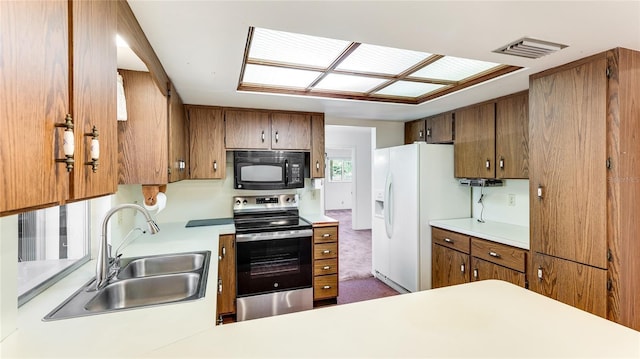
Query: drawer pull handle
column 326, row 251
column 475, row 273
column 540, row 273
column 326, row 235
column 494, row 254
column 448, row 240
column 326, row 267
column 326, row 287
column 462, row 268
column 219, row 285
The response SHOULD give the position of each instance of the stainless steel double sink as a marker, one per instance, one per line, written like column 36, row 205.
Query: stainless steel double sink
column 141, row 282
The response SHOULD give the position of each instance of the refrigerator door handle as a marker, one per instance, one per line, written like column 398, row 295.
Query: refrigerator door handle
column 388, row 193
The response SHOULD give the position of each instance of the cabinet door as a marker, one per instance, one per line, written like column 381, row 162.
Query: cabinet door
column 247, row 130
column 575, row 284
column 448, row 267
column 143, row 138
column 94, row 97
column 290, row 131
column 483, row 270
column 567, row 159
column 440, row 128
column 474, row 151
column 208, row 156
column 512, row 136
column 226, row 301
column 317, row 146
column 414, row 131
column 178, row 138
column 34, row 63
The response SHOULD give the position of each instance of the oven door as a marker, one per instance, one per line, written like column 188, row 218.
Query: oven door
column 273, row 261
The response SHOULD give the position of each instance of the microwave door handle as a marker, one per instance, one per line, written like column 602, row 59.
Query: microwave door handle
column 286, row 172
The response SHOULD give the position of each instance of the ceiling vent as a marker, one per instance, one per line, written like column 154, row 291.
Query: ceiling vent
column 530, row 48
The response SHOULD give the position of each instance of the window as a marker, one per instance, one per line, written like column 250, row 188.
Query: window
column 297, row 64
column 52, row 242
column 341, row 170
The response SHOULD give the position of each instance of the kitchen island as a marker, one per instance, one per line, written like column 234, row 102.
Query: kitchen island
column 480, row 319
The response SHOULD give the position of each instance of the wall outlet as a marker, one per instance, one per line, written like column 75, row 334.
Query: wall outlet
column 511, row 200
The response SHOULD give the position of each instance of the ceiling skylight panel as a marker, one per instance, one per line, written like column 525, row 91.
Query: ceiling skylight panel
column 380, row 59
column 453, row 69
column 277, row 76
column 348, row 83
column 295, row 48
column 409, row 89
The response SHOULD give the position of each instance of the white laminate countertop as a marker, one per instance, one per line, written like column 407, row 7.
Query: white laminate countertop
column 505, row 233
column 318, row 218
column 484, row 319
column 122, row 333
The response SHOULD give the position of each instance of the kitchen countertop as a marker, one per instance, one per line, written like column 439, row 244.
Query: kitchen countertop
column 489, row 319
column 121, row 333
column 319, row 219
column 505, row 233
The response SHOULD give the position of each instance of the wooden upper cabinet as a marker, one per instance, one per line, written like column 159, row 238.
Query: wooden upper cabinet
column 474, row 151
column 439, row 128
column 246, row 129
column 143, row 138
column 36, row 97
column 207, row 152
column 568, row 155
column 317, row 146
column 576, row 284
column 512, row 136
column 179, row 138
column 414, row 131
column 290, row 131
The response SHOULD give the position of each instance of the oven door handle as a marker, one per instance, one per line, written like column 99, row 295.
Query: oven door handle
column 265, row 236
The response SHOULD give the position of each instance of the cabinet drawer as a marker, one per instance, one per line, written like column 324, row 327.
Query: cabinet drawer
column 457, row 241
column 497, row 253
column 325, row 266
column 325, row 286
column 325, row 234
column 325, row 250
column 482, row 270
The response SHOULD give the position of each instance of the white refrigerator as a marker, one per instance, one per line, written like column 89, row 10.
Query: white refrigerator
column 412, row 184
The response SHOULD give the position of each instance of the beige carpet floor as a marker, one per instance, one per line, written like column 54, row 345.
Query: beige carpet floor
column 354, row 249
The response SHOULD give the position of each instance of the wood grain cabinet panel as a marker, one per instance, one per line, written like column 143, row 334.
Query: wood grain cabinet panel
column 512, row 136
column 414, row 131
column 458, row 241
column 317, row 146
column 439, row 128
column 226, row 302
column 44, row 81
column 474, row 151
column 325, row 262
column 576, row 284
column 501, row 254
column 290, row 131
column 483, row 270
column 245, row 129
column 448, row 267
column 207, row 153
column 179, row 163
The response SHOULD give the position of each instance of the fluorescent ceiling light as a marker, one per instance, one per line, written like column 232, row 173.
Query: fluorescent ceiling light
column 453, row 69
column 348, row 83
column 409, row 89
column 277, row 76
column 383, row 60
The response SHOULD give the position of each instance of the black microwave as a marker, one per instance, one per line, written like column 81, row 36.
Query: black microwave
column 266, row 170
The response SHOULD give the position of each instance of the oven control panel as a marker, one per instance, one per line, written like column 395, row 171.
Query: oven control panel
column 254, row 203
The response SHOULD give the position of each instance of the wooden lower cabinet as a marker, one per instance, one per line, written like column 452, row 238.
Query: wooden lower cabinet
column 325, row 262
column 575, row 284
column 448, row 267
column 486, row 270
column 226, row 301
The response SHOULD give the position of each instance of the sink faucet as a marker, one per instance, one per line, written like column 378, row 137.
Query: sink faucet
column 102, row 266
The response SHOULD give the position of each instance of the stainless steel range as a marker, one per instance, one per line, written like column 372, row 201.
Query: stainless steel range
column 273, row 256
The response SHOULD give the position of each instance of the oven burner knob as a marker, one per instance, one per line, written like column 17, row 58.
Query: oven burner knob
column 237, row 201
column 288, row 199
column 275, row 285
column 244, row 202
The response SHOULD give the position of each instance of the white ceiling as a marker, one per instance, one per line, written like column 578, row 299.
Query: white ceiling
column 201, row 43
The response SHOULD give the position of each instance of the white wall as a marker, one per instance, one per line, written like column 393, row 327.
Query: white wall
column 8, row 275
column 338, row 195
column 496, row 203
column 388, row 133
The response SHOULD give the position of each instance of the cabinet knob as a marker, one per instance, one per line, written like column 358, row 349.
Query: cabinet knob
column 277, row 137
column 326, row 251
column 326, row 267
column 262, row 136
column 487, row 164
column 448, row 240
column 326, row 235
column 501, row 163
column 220, row 286
column 317, row 165
column 539, row 191
column 420, row 134
column 326, row 287
column 540, row 273
column 215, row 166
column 462, row 268
column 475, row 273
column 494, row 254
column 428, row 132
